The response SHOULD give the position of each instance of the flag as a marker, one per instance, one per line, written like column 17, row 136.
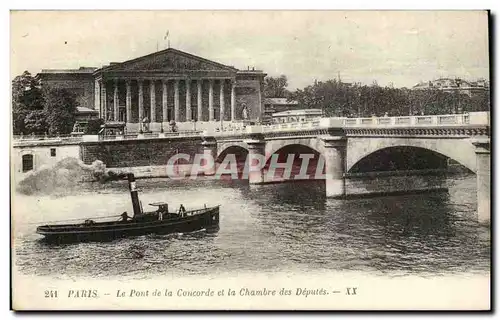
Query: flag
column 166, row 35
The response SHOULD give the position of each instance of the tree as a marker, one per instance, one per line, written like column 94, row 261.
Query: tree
column 275, row 87
column 26, row 97
column 60, row 110
column 34, row 122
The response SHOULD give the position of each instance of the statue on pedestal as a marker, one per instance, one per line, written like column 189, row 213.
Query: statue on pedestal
column 244, row 112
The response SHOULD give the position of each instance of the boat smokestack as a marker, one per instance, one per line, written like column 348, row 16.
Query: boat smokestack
column 133, row 194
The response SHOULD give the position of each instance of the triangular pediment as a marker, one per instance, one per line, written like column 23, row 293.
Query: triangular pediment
column 168, row 60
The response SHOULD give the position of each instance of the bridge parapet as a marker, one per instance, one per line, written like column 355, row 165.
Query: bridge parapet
column 472, row 118
column 466, row 120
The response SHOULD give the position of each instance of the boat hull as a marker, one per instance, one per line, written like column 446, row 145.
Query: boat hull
column 99, row 232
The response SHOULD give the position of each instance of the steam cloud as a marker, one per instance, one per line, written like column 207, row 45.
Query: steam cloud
column 65, row 175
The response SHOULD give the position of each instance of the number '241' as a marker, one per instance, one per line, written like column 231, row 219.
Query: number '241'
column 50, row 293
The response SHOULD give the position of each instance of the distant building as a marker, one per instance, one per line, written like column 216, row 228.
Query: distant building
column 275, row 105
column 164, row 86
column 297, row 115
column 452, row 85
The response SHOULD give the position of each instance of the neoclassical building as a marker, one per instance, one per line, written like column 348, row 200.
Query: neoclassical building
column 163, row 86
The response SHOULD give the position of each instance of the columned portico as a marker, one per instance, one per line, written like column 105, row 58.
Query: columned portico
column 173, row 70
column 113, row 114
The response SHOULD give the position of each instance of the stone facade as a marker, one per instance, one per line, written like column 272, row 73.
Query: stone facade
column 80, row 82
column 164, row 86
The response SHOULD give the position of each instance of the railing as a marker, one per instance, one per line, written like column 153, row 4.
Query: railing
column 473, row 118
column 31, row 139
column 19, row 139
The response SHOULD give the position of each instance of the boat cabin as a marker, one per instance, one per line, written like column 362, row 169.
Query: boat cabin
column 162, row 206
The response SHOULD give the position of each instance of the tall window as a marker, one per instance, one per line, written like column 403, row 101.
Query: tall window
column 27, row 162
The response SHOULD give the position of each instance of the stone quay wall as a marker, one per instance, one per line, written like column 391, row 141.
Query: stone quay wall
column 139, row 152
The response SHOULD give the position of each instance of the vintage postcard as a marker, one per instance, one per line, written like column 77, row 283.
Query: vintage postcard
column 250, row 160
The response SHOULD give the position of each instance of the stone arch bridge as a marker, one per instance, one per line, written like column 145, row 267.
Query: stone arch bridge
column 343, row 142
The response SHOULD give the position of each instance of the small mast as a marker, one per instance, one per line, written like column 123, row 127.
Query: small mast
column 133, row 194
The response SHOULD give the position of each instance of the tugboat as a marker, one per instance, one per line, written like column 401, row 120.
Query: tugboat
column 161, row 221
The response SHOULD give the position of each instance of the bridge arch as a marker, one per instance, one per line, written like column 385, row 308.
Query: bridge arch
column 274, row 146
column 224, row 148
column 228, row 147
column 460, row 150
column 279, row 168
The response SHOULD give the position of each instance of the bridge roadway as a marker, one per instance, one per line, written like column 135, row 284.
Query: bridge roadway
column 343, row 142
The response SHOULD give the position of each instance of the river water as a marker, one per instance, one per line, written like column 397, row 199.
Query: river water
column 268, row 228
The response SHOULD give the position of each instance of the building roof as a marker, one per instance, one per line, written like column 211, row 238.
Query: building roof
column 302, row 112
column 89, row 70
column 167, row 59
column 279, row 101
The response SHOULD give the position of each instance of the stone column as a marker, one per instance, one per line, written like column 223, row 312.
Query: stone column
column 233, row 100
column 335, row 153
column 254, row 165
column 483, row 176
column 210, row 152
column 221, row 100
column 176, row 101
column 188, row 100
column 152, row 95
column 128, row 102
column 200, row 101
column 211, row 101
column 116, row 113
column 164, row 101
column 104, row 106
column 141, row 103
column 97, row 97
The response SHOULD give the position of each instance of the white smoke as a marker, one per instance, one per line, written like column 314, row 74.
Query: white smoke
column 65, row 176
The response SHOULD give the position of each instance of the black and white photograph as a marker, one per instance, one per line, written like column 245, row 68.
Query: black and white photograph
column 250, row 160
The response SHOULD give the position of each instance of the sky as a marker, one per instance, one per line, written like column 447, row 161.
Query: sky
column 399, row 48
